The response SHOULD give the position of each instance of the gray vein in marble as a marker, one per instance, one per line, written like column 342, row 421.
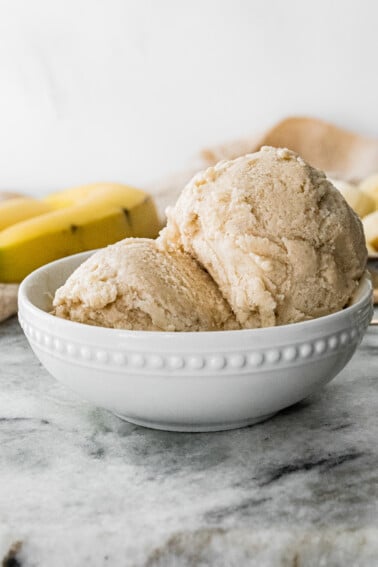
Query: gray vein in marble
column 79, row 486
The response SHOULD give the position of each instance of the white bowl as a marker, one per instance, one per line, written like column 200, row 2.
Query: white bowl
column 205, row 381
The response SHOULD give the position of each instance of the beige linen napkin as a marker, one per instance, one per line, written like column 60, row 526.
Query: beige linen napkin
column 342, row 154
column 8, row 300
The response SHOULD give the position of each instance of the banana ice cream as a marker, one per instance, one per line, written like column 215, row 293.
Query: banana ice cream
column 134, row 285
column 258, row 241
column 279, row 240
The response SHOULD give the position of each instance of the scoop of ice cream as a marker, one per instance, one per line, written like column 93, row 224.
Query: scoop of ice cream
column 133, row 285
column 279, row 240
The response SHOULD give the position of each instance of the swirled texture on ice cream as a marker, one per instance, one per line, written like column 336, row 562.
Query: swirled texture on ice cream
column 276, row 236
column 134, row 285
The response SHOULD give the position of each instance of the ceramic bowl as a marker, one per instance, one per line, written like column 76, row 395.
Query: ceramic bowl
column 204, row 381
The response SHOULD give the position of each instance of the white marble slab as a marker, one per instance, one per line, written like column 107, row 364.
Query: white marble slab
column 80, row 487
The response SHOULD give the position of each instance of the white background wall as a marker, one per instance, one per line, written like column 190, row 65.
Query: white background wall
column 130, row 90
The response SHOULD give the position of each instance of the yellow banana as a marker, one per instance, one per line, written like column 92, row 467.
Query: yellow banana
column 361, row 202
column 18, row 209
column 370, row 223
column 85, row 220
column 69, row 197
column 370, row 187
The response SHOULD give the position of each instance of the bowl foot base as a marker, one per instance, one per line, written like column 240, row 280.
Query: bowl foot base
column 193, row 427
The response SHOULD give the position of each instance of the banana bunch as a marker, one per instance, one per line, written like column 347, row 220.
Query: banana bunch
column 363, row 199
column 34, row 232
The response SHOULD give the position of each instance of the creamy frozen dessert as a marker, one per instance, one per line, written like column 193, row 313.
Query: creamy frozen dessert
column 258, row 241
column 279, row 240
column 134, row 285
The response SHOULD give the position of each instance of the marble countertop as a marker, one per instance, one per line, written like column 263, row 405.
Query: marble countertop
column 81, row 487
